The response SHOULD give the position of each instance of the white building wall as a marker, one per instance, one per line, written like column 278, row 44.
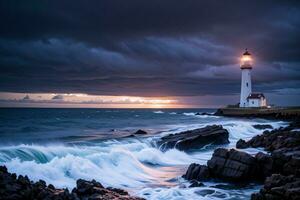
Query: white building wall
column 254, row 102
column 257, row 102
column 246, row 87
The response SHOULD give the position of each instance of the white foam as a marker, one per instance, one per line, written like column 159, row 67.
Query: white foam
column 132, row 164
column 189, row 113
column 158, row 112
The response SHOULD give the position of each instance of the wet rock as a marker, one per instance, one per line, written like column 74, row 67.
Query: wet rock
column 279, row 187
column 117, row 190
column 282, row 138
column 232, row 165
column 21, row 188
column 140, row 132
column 196, row 184
column 194, row 139
column 265, row 164
column 84, row 187
column 242, row 144
column 197, row 172
column 229, row 165
column 263, row 126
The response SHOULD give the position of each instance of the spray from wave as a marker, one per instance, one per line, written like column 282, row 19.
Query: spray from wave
column 136, row 165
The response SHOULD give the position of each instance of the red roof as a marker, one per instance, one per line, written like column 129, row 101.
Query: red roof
column 256, row 96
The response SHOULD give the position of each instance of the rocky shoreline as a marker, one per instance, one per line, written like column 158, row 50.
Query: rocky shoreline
column 279, row 170
column 21, row 188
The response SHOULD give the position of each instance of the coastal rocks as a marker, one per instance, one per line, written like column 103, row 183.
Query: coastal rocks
column 279, row 187
column 21, row 188
column 196, row 184
column 197, row 172
column 230, row 165
column 242, row 144
column 140, row 132
column 265, row 164
column 196, row 138
column 283, row 138
column 263, row 126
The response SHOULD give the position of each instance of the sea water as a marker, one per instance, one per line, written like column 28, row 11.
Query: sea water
column 63, row 145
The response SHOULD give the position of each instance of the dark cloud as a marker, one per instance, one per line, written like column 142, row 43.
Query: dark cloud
column 147, row 48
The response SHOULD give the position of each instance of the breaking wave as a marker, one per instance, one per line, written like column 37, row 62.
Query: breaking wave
column 158, row 112
column 133, row 164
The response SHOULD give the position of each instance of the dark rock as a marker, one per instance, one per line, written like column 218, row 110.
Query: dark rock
column 279, row 187
column 229, row 165
column 50, row 186
column 232, row 165
column 23, row 180
column 196, row 184
column 22, row 188
column 265, row 163
column 197, row 172
column 140, row 132
column 194, row 139
column 263, row 126
column 117, row 190
column 242, row 144
column 276, row 139
column 3, row 169
column 84, row 187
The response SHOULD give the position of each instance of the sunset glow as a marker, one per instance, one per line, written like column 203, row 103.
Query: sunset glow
column 85, row 100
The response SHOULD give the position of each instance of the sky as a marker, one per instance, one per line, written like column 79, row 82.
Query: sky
column 142, row 53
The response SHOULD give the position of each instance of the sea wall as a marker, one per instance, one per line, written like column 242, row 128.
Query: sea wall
column 282, row 113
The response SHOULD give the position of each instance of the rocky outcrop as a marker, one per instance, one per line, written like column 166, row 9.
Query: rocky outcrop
column 196, row 138
column 280, row 169
column 197, row 172
column 21, row 188
column 140, row 132
column 230, row 165
column 236, row 166
column 285, row 139
column 262, row 126
column 279, row 187
column 242, row 144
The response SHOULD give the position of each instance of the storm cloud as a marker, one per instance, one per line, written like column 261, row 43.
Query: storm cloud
column 148, row 48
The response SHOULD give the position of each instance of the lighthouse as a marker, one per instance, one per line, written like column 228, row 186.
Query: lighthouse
column 247, row 98
column 246, row 87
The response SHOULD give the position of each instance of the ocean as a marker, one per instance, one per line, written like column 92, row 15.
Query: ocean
column 63, row 145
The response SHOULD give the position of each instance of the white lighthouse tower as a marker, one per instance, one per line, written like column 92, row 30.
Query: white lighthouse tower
column 246, row 87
